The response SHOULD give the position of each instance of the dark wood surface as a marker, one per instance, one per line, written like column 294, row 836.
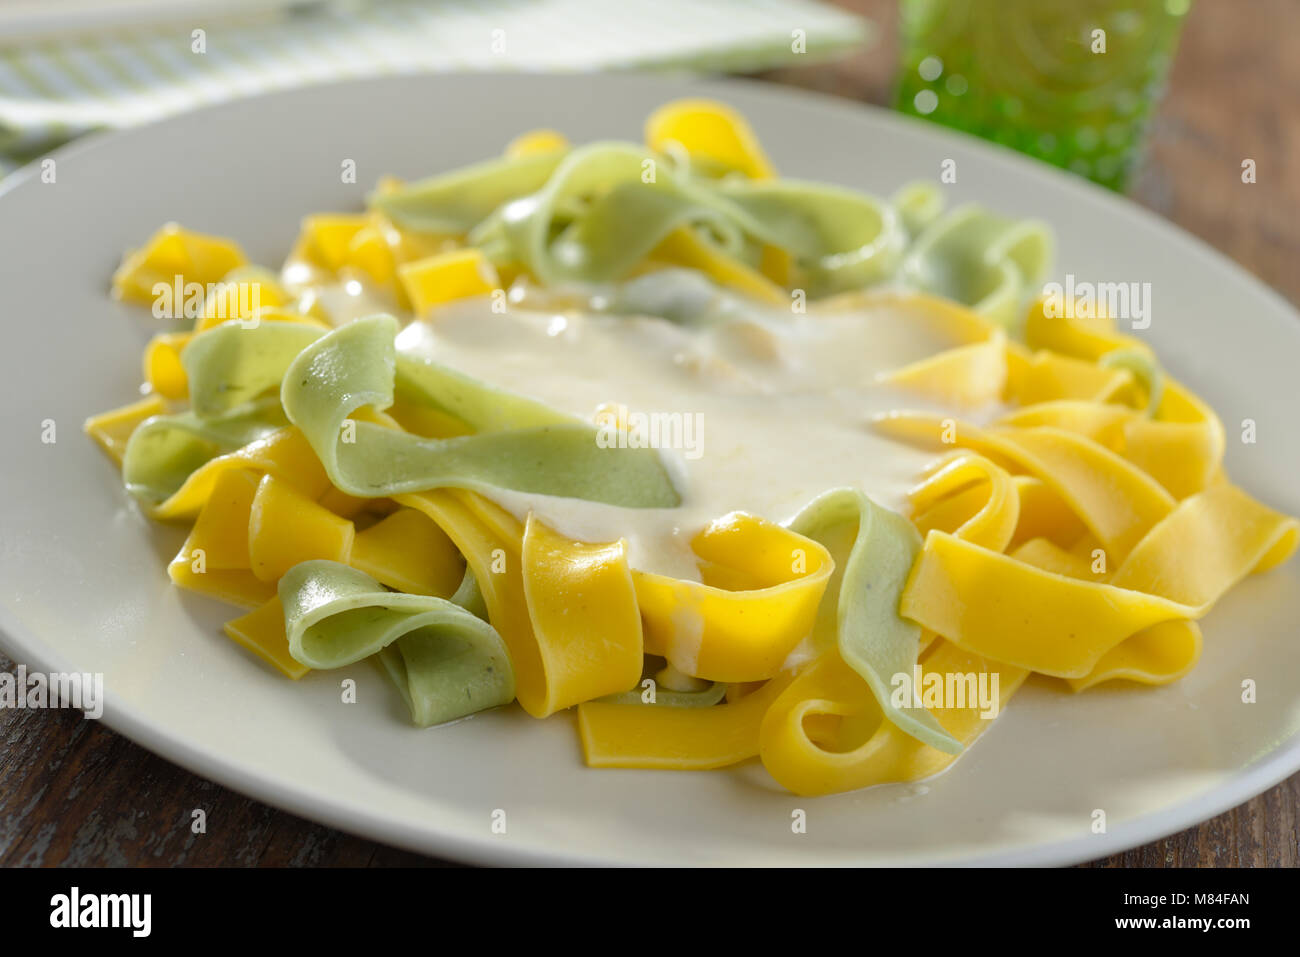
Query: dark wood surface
column 73, row 792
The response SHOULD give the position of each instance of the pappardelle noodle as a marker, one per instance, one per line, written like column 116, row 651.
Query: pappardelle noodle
column 360, row 497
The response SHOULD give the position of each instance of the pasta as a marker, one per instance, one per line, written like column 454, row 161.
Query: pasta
column 414, row 492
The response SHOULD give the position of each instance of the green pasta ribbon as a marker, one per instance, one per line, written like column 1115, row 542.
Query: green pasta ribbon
column 977, row 258
column 604, row 207
column 518, row 444
column 672, row 699
column 229, row 369
column 873, row 549
column 919, row 204
column 470, row 597
column 324, row 377
column 445, row 661
column 1145, row 369
column 454, row 203
column 595, row 213
column 666, row 697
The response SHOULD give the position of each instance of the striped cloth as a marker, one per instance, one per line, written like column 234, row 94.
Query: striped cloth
column 51, row 92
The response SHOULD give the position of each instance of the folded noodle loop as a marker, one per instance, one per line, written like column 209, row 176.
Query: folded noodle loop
column 445, row 661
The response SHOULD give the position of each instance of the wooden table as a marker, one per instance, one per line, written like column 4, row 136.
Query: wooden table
column 73, row 792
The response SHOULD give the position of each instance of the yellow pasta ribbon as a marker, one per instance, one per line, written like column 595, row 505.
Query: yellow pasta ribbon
column 632, row 735
column 583, row 610
column 284, row 453
column 969, row 375
column 854, row 747
column 370, row 253
column 759, row 598
column 873, row 549
column 409, row 553
column 686, row 247
column 172, row 252
column 1115, row 499
column 215, row 559
column 253, row 528
column 445, row 277
column 262, row 632
column 986, row 497
column 327, row 238
column 1078, row 380
column 162, row 364
column 536, row 142
column 242, row 293
column 112, row 429
column 566, row 610
column 828, row 730
column 1069, row 333
column 762, row 585
column 684, row 739
column 711, row 132
column 1181, row 447
column 1049, row 376
column 1011, row 611
column 163, row 369
column 286, row 527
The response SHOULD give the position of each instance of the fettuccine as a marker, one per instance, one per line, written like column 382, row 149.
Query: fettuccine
column 363, row 498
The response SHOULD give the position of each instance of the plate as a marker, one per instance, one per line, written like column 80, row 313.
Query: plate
column 83, row 587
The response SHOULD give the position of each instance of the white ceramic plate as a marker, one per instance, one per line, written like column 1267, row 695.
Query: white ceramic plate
column 82, row 582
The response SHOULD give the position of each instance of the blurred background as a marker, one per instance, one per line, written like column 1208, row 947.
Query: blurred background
column 1162, row 99
column 1070, row 83
column 1190, row 108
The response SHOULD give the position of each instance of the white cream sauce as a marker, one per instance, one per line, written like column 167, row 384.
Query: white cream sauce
column 782, row 406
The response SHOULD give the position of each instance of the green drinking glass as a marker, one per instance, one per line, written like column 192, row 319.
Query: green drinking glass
column 1072, row 82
